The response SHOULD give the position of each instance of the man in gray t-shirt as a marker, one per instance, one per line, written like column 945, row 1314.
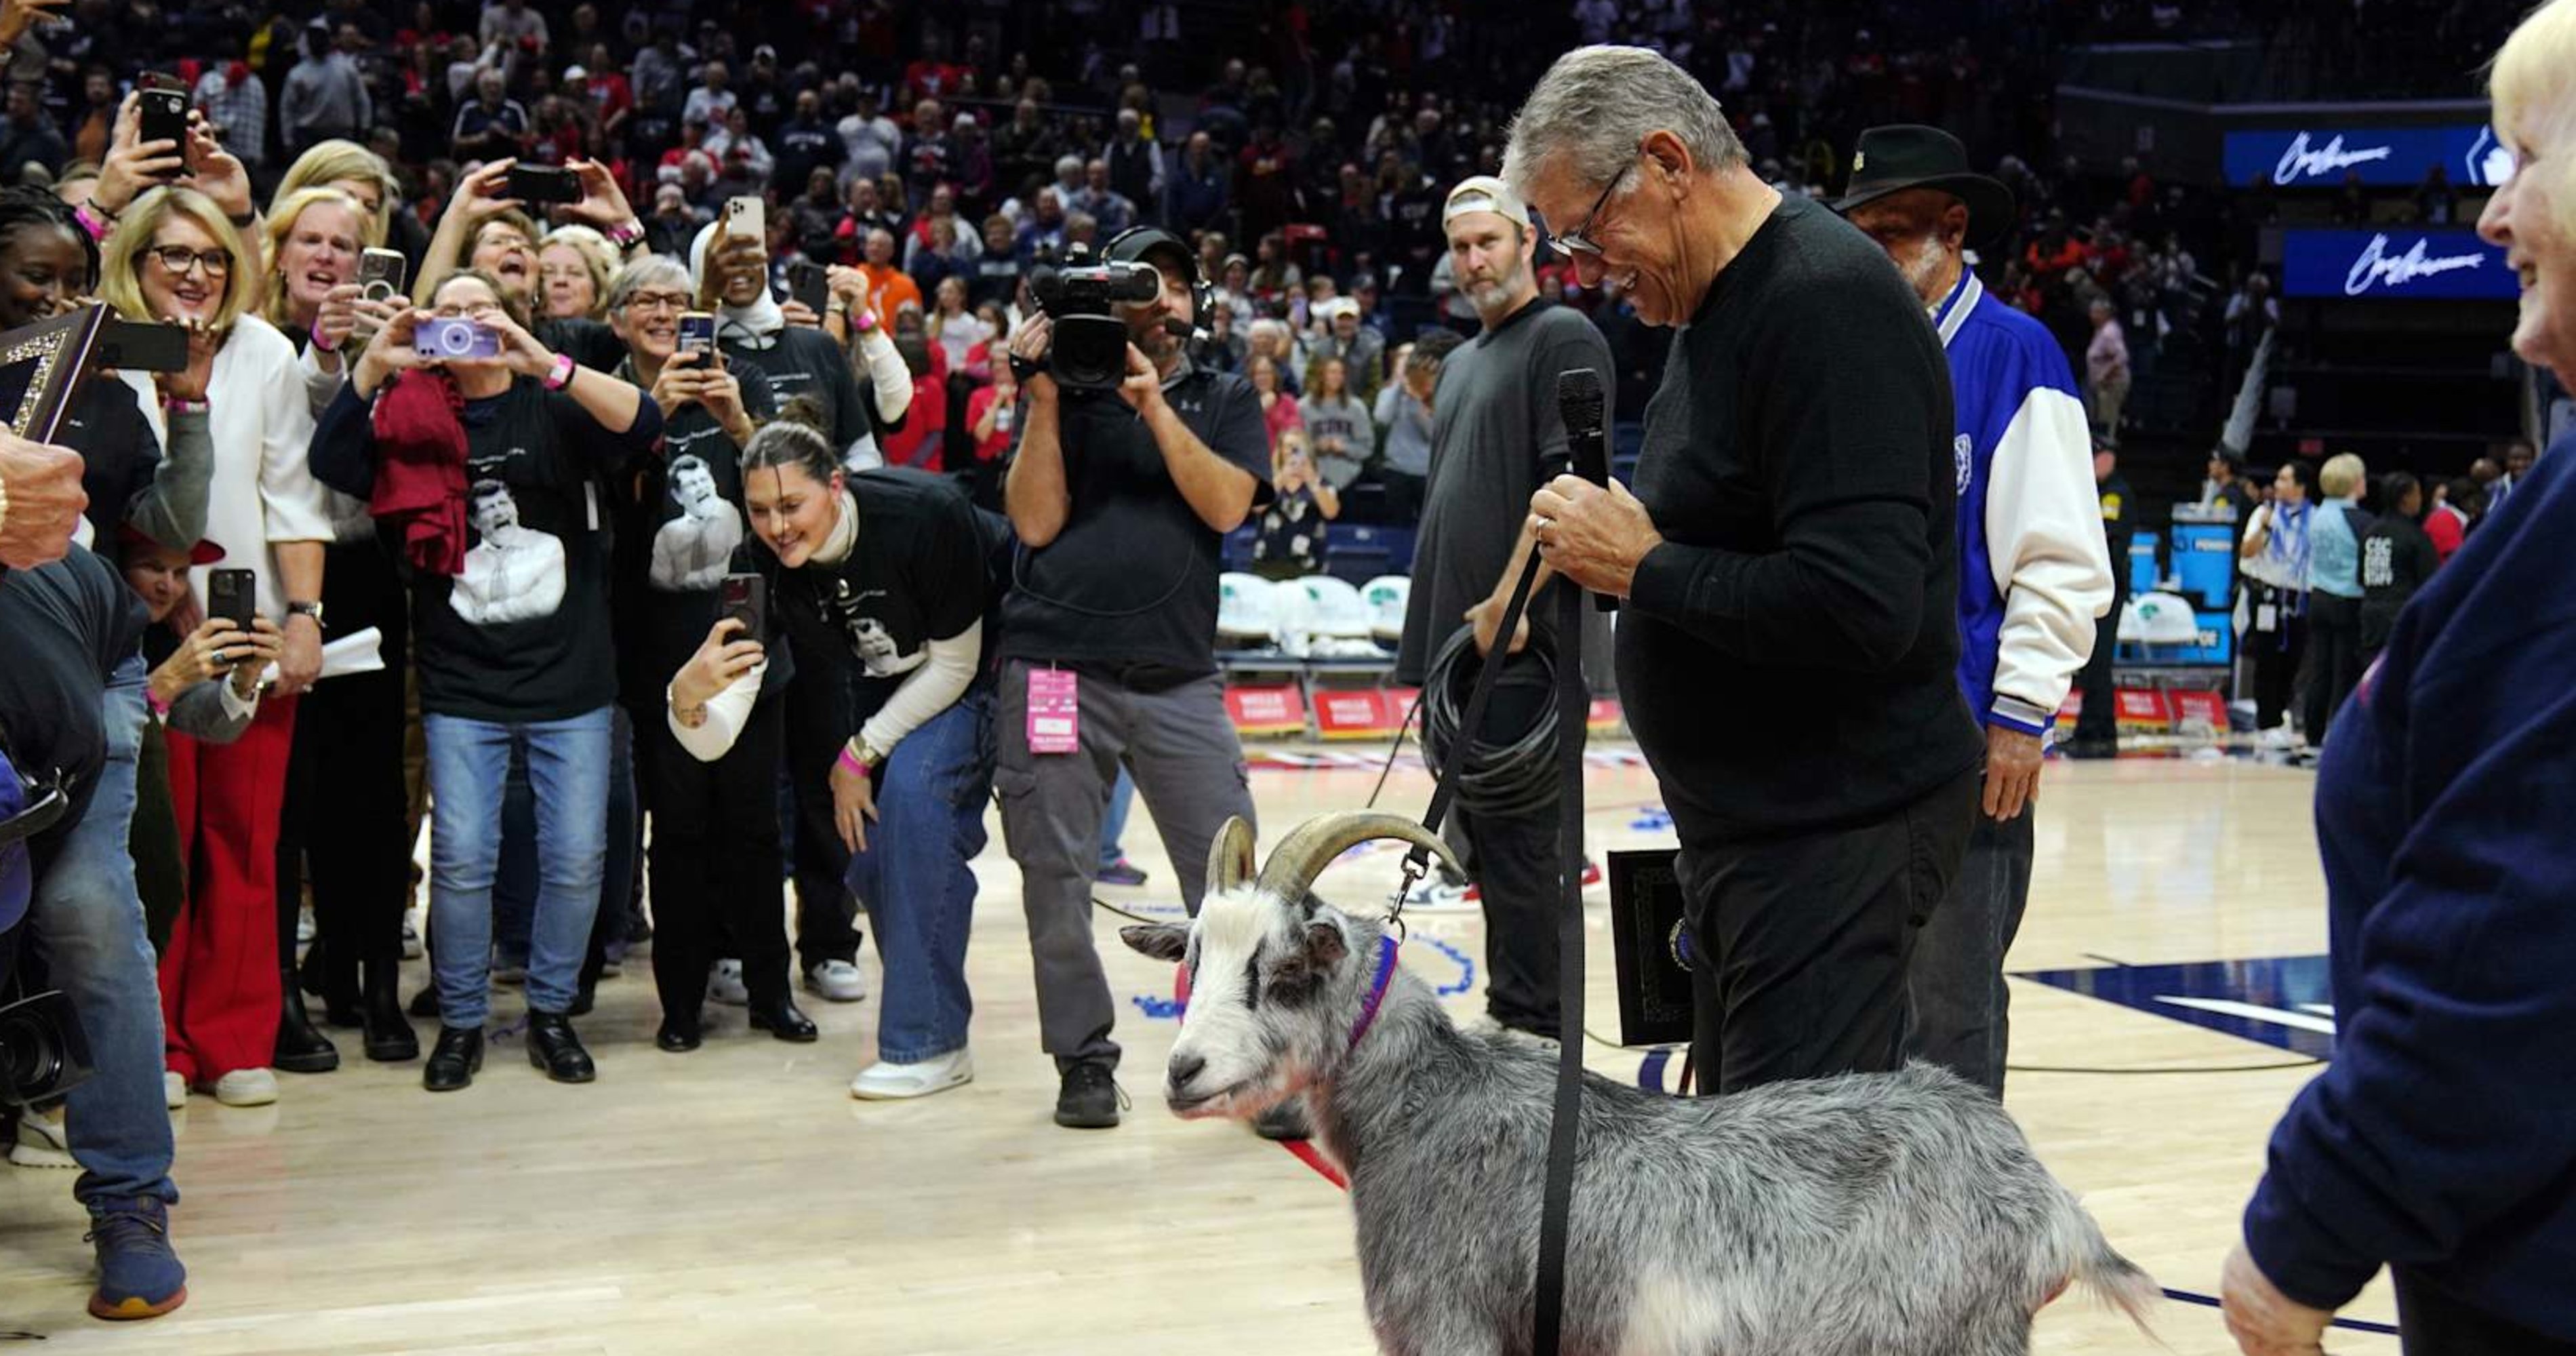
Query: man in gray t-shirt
column 1496, row 437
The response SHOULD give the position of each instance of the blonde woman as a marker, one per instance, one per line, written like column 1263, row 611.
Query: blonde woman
column 176, row 258
column 315, row 236
column 2437, row 1141
column 574, row 264
column 2334, row 591
column 352, row 169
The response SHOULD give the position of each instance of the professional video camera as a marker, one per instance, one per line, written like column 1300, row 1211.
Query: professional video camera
column 1089, row 347
column 42, row 1052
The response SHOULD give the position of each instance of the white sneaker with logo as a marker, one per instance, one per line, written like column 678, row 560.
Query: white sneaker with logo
column 837, row 981
column 888, row 1082
column 724, row 984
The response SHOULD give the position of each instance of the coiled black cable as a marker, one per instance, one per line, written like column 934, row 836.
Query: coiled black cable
column 1503, row 780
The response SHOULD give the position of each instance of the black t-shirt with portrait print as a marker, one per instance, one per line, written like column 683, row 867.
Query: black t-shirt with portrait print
column 523, row 633
column 804, row 361
column 919, row 570
column 680, row 530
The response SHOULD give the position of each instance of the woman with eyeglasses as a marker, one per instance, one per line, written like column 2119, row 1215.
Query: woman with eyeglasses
column 346, row 825
column 512, row 624
column 680, row 532
column 176, row 258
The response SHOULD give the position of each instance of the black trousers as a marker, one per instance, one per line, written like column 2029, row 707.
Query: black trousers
column 1802, row 941
column 1514, row 861
column 345, row 819
column 2431, row 1323
column 2276, row 653
column 2334, row 659
column 2099, row 721
column 715, row 858
column 822, row 714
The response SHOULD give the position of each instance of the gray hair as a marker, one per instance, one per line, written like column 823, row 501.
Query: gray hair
column 1597, row 104
column 653, row 270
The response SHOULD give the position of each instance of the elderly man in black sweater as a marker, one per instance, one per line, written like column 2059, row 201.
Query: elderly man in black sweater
column 1788, row 650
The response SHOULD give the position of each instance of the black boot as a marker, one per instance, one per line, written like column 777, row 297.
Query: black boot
column 301, row 1047
column 454, row 1063
column 388, row 1034
column 553, row 1047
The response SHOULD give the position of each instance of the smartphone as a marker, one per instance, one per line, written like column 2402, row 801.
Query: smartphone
column 809, row 283
column 544, row 184
column 698, row 336
column 232, row 595
column 747, row 216
column 447, row 337
column 745, row 597
column 132, row 346
column 165, row 117
column 380, row 275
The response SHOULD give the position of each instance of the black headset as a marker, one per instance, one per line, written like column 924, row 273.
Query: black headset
column 1130, row 246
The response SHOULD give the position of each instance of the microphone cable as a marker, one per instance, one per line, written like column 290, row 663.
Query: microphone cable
column 1504, row 780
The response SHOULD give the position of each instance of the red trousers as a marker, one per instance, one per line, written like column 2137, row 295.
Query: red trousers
column 219, row 984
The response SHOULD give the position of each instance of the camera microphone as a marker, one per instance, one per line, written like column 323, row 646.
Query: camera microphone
column 1581, row 403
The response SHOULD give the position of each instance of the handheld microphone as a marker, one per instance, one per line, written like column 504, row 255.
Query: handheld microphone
column 1580, row 402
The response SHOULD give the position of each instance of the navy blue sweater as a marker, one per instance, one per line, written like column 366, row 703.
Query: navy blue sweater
column 2443, row 1137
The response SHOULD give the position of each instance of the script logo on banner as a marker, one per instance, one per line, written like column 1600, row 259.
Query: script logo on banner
column 2394, row 265
column 2301, row 161
column 2384, row 157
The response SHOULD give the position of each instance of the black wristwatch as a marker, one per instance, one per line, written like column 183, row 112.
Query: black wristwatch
column 313, row 610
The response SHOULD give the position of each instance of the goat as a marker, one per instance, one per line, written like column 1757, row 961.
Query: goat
column 1893, row 1214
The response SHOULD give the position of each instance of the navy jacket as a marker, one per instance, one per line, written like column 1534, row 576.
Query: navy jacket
column 2443, row 1137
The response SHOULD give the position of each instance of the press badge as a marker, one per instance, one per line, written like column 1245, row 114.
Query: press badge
column 2267, row 618
column 1055, row 718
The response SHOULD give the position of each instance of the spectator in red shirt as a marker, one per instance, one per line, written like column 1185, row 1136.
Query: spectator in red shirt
column 925, row 424
column 2448, row 523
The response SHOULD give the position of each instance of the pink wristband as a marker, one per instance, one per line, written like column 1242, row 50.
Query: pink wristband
column 91, row 222
column 851, row 761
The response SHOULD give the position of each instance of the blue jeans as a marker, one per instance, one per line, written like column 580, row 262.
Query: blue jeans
column 914, row 880
column 86, row 923
column 1113, row 822
column 514, row 890
column 469, row 771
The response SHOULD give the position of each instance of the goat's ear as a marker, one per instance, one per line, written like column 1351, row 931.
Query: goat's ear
column 1325, row 945
column 1162, row 941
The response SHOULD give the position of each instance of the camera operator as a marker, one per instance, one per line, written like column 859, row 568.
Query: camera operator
column 1121, row 500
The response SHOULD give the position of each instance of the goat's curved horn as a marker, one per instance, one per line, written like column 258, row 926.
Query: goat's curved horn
column 1304, row 853
column 1230, row 856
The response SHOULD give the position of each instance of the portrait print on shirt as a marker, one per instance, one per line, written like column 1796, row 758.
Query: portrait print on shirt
column 514, row 573
column 693, row 551
column 870, row 639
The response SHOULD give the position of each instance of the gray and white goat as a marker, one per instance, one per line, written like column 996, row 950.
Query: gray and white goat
column 1864, row 1215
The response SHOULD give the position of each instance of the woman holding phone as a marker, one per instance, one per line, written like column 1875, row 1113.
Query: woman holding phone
column 175, row 257
column 512, row 625
column 881, row 580
column 346, row 824
column 680, row 534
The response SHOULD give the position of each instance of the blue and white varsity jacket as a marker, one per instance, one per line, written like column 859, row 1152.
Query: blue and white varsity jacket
column 2034, row 570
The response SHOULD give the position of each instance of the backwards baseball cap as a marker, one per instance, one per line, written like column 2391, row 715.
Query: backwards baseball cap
column 1484, row 193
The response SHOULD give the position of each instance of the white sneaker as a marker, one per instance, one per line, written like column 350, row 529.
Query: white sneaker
column 724, row 984
column 41, row 1142
column 246, row 1087
column 888, row 1082
column 837, row 981
column 174, row 1089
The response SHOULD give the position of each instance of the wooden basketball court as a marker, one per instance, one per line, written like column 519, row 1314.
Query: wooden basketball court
column 737, row 1200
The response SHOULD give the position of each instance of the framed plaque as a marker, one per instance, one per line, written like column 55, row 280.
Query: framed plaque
column 43, row 365
column 1653, row 948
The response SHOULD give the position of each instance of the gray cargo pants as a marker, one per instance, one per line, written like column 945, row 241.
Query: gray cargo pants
column 1181, row 749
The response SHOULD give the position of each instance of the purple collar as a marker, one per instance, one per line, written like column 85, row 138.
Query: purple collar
column 1377, row 989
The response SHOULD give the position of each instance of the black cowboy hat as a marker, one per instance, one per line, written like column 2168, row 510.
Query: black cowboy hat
column 1893, row 159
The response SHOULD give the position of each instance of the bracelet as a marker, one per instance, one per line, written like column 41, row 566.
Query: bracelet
column 561, row 376
column 855, row 761
column 182, row 405
column 315, row 334
column 242, row 222
column 628, row 235
column 97, row 221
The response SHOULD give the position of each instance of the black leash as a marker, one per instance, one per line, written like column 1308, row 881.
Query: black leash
column 1573, row 707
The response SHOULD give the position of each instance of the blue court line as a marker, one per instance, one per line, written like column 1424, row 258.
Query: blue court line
column 1466, row 967
column 2355, row 1324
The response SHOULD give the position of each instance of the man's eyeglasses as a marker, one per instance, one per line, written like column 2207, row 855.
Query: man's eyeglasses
column 1579, row 240
column 177, row 258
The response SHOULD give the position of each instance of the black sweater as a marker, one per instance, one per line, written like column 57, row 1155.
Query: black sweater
column 1788, row 657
